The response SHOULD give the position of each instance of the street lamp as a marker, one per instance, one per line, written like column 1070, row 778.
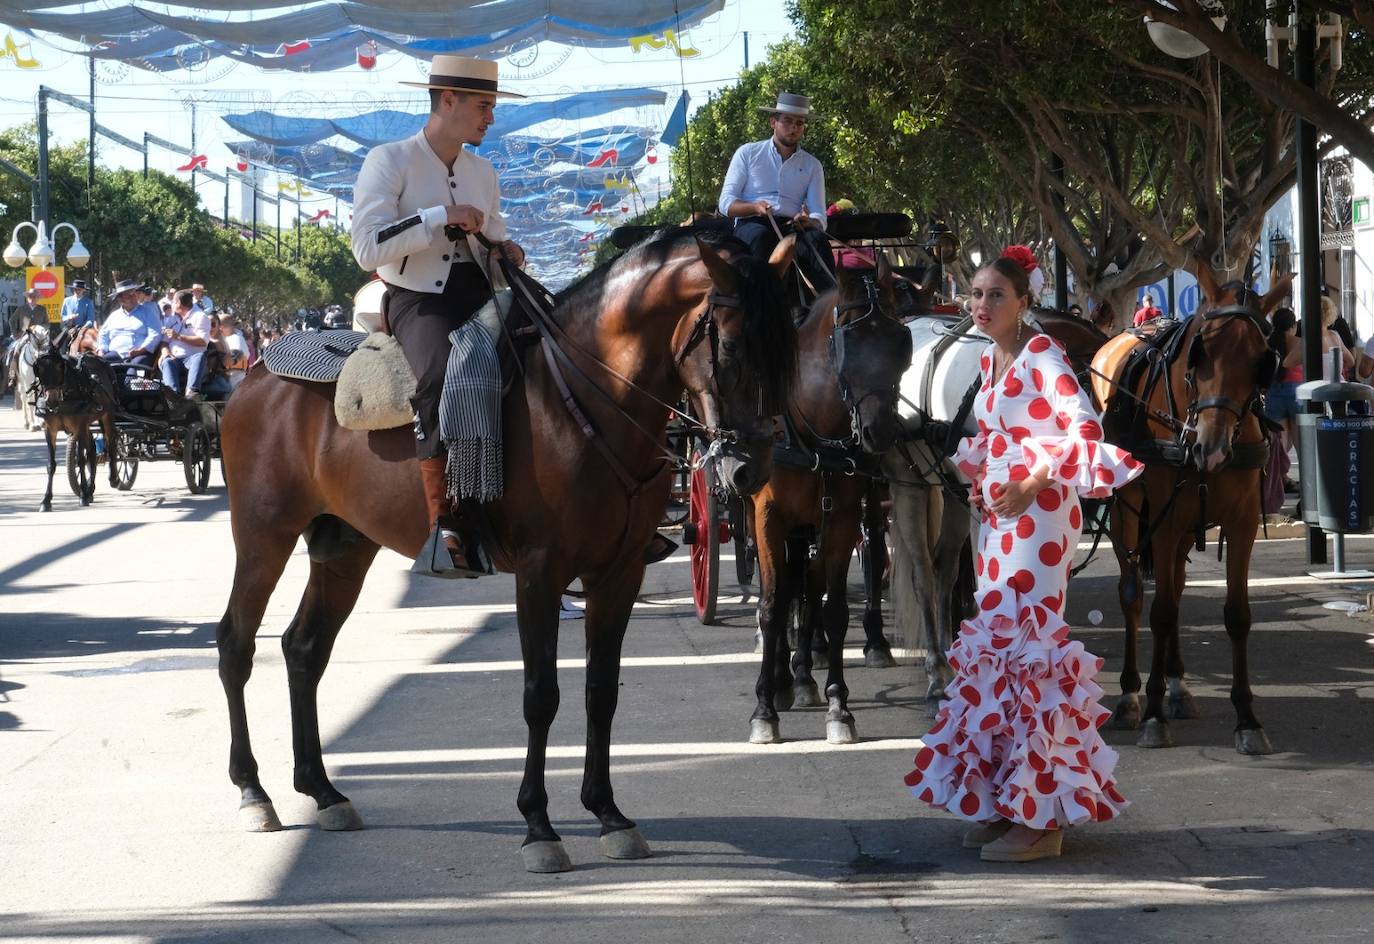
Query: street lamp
column 1280, row 249
column 41, row 253
column 1179, row 44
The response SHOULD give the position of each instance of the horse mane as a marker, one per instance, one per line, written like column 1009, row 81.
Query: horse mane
column 770, row 339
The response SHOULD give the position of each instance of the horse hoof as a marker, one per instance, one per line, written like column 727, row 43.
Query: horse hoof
column 341, row 817
column 763, row 731
column 935, row 691
column 820, row 660
column 1184, row 708
column 806, row 695
column 544, row 856
column 1253, row 741
column 1155, row 733
column 879, row 659
column 784, row 699
column 625, row 844
column 841, row 732
column 259, row 818
column 1126, row 715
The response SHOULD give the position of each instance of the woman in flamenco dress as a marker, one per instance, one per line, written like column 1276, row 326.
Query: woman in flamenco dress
column 1016, row 749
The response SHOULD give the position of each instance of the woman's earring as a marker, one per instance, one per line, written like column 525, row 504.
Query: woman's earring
column 1020, row 323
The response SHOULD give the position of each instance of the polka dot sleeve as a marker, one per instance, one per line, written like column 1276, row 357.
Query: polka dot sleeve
column 1069, row 441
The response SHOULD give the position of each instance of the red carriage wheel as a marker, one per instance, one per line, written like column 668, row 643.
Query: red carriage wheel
column 706, row 530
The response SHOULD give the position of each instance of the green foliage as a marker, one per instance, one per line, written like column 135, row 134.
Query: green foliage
column 152, row 228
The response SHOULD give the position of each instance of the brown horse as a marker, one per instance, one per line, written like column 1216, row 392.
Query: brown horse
column 75, row 392
column 1200, row 437
column 671, row 314
column 806, row 518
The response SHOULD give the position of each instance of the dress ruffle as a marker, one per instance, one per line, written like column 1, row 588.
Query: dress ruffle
column 1093, row 467
column 1018, row 738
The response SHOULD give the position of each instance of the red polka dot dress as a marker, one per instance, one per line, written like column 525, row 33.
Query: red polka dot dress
column 1018, row 738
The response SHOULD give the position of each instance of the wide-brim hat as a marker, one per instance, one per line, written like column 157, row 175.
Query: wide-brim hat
column 463, row 74
column 125, row 285
column 798, row 106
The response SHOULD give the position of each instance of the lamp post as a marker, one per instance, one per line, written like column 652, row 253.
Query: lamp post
column 41, row 253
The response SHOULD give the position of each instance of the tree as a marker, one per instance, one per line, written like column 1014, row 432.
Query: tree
column 1162, row 159
column 1341, row 105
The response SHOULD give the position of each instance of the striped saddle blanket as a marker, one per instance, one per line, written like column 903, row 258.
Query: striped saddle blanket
column 311, row 355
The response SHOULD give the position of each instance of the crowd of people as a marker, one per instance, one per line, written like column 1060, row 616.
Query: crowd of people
column 199, row 350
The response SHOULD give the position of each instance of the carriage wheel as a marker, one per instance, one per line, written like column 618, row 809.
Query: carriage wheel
column 746, row 554
column 195, row 458
column 76, row 466
column 704, row 528
column 126, row 469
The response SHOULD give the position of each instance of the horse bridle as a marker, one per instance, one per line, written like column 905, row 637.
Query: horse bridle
column 872, row 308
column 1197, row 351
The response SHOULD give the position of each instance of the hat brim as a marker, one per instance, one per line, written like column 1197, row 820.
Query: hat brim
column 464, row 88
column 803, row 115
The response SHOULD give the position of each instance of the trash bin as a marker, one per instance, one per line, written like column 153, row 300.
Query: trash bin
column 1335, row 444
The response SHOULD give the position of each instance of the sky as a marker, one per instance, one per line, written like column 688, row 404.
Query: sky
column 131, row 101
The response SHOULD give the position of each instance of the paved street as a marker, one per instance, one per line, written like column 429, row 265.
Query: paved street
column 118, row 818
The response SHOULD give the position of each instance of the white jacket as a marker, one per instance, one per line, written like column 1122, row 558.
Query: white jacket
column 399, row 211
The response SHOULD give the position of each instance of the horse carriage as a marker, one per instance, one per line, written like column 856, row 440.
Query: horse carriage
column 120, row 415
column 152, row 423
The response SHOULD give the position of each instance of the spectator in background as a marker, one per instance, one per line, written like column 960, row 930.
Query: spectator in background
column 77, row 310
column 235, row 349
column 201, row 301
column 187, row 339
column 1076, row 310
column 1105, row 318
column 1331, row 338
column 1147, row 311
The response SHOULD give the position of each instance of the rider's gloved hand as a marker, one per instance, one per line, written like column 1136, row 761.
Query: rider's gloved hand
column 936, row 434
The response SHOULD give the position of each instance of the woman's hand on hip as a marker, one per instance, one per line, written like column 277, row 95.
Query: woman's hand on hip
column 1017, row 495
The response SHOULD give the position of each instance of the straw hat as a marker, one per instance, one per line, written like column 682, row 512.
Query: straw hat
column 463, row 74
column 798, row 106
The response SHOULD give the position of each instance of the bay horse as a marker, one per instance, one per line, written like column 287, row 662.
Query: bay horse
column 75, row 392
column 1195, row 423
column 671, row 314
column 842, row 413
column 932, row 562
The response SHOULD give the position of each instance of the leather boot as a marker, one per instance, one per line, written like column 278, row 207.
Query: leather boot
column 443, row 554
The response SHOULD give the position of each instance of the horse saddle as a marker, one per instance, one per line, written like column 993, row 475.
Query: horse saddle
column 373, row 381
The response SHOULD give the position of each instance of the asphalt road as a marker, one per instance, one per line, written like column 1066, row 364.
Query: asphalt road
column 117, row 818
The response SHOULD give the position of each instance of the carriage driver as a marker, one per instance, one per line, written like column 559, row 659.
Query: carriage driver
column 407, row 193
column 776, row 178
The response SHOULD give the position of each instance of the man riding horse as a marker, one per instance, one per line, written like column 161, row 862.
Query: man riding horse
column 773, row 188
column 409, row 196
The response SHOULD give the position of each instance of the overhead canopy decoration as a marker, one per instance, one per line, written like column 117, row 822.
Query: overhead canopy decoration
column 377, row 127
column 327, row 36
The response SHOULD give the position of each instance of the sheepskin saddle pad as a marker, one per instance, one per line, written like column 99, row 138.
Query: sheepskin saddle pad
column 373, row 382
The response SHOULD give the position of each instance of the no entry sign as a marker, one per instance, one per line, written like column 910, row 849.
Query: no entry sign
column 45, row 283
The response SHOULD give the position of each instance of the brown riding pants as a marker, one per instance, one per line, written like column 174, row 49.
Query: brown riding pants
column 421, row 323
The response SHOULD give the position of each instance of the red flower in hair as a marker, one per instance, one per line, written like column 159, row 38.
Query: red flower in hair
column 1022, row 256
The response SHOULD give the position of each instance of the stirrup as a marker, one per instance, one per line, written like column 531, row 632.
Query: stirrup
column 435, row 560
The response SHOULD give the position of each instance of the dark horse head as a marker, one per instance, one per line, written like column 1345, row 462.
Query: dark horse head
column 68, row 381
column 1228, row 365
column 868, row 353
column 737, row 357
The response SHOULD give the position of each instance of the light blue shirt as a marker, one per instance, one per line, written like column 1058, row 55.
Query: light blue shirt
column 758, row 172
column 77, row 312
column 206, row 304
column 125, row 330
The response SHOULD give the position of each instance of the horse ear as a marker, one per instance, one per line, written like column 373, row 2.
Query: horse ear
column 1280, row 290
column 782, row 255
column 1207, row 279
column 721, row 272
column 884, row 271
